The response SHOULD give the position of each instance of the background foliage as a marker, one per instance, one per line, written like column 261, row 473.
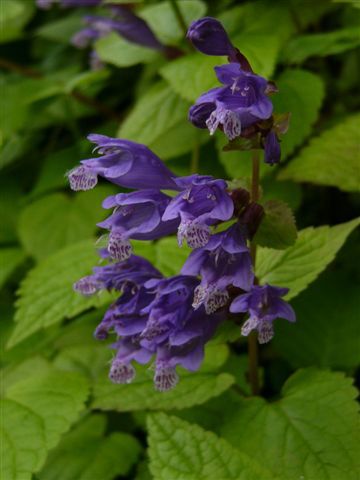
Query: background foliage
column 61, row 418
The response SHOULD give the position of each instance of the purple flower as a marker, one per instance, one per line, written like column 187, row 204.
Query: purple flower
column 134, row 28
column 126, row 24
column 135, row 271
column 238, row 105
column 202, row 202
column 85, row 37
column 154, row 317
column 123, row 163
column 209, row 37
column 137, row 215
column 272, row 149
column 223, row 262
column 264, row 305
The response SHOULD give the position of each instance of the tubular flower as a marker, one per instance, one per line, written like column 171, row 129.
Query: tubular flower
column 136, row 215
column 124, row 163
column 202, row 201
column 236, row 106
column 225, row 261
column 263, row 304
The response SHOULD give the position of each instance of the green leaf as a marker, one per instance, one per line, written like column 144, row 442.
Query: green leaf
column 180, row 450
column 36, row 411
column 56, row 397
column 86, row 454
column 159, row 121
column 277, row 228
column 57, row 220
column 88, row 359
column 326, row 331
column 333, row 158
column 309, row 433
column 53, row 170
column 162, row 19
column 14, row 16
column 301, row 93
column 169, row 256
column 192, row 75
column 322, row 44
column 258, row 18
column 22, row 444
column 121, row 53
column 61, row 30
column 261, row 50
column 299, row 265
column 46, row 294
column 193, row 388
column 10, row 259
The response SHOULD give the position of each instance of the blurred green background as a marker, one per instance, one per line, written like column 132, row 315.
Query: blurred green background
column 50, row 101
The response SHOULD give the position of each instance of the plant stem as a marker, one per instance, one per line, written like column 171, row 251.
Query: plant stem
column 179, row 16
column 252, row 339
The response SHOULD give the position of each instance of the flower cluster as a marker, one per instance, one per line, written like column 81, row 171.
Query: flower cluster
column 170, row 320
column 241, row 107
column 121, row 20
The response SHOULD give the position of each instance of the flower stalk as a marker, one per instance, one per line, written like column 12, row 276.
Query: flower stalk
column 252, row 338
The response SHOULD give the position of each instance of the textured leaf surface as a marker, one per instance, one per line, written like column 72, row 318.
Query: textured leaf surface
column 193, row 388
column 57, row 220
column 321, row 44
column 326, row 333
column 10, row 259
column 301, row 93
column 159, row 120
column 300, row 264
column 333, row 158
column 277, row 228
column 56, row 397
column 310, row 433
column 22, row 443
column 180, row 450
column 36, row 411
column 14, row 15
column 46, row 294
column 86, row 453
column 201, row 79
column 118, row 51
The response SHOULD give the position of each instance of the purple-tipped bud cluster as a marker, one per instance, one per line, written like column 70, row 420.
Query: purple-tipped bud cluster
column 46, row 4
column 167, row 321
column 242, row 107
column 121, row 20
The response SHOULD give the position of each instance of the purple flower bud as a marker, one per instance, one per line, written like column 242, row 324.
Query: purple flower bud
column 264, row 305
column 123, row 163
column 272, row 149
column 209, row 37
column 134, row 28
